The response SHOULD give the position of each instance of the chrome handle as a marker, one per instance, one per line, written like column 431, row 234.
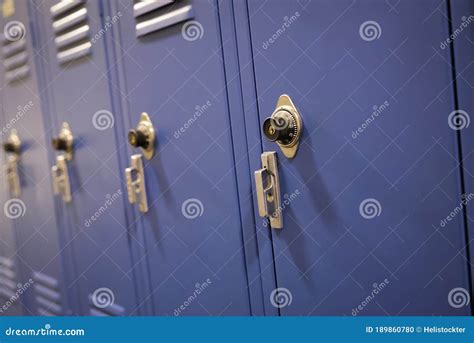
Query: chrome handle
column 60, row 175
column 136, row 187
column 12, row 148
column 267, row 184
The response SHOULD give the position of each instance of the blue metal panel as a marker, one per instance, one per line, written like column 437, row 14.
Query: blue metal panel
column 177, row 76
column 462, row 21
column 77, row 88
column 38, row 244
column 337, row 60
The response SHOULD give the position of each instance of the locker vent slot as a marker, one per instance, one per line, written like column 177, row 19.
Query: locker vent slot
column 152, row 16
column 111, row 310
column 47, row 295
column 8, row 284
column 15, row 59
column 71, row 30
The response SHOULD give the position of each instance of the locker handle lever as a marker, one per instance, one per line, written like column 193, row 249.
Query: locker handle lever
column 267, row 184
column 136, row 188
column 60, row 174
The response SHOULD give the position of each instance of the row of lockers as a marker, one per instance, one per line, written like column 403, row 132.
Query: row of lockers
column 140, row 143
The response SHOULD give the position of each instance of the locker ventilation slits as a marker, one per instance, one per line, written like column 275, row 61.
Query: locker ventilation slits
column 71, row 30
column 108, row 310
column 155, row 15
column 8, row 285
column 15, row 58
column 47, row 295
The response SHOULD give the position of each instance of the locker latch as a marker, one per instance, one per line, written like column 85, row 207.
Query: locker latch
column 60, row 173
column 268, row 190
column 12, row 148
column 143, row 136
column 284, row 126
column 61, row 185
column 136, row 188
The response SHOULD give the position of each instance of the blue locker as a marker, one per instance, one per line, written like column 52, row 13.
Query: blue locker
column 202, row 258
column 31, row 209
column 460, row 43
column 10, row 268
column 77, row 90
column 367, row 196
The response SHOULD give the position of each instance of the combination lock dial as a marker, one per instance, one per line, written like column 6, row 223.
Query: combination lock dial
column 143, row 136
column 64, row 141
column 284, row 126
column 13, row 144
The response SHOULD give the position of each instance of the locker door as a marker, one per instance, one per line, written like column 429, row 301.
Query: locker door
column 461, row 23
column 371, row 199
column 10, row 269
column 31, row 209
column 77, row 89
column 171, row 65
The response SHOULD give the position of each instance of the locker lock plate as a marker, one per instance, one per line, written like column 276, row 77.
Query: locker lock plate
column 12, row 147
column 284, row 126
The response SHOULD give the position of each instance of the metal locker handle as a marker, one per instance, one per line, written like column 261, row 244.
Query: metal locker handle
column 267, row 184
column 136, row 187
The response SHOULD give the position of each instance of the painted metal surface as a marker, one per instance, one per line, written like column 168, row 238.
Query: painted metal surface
column 376, row 174
column 193, row 231
column 98, row 233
